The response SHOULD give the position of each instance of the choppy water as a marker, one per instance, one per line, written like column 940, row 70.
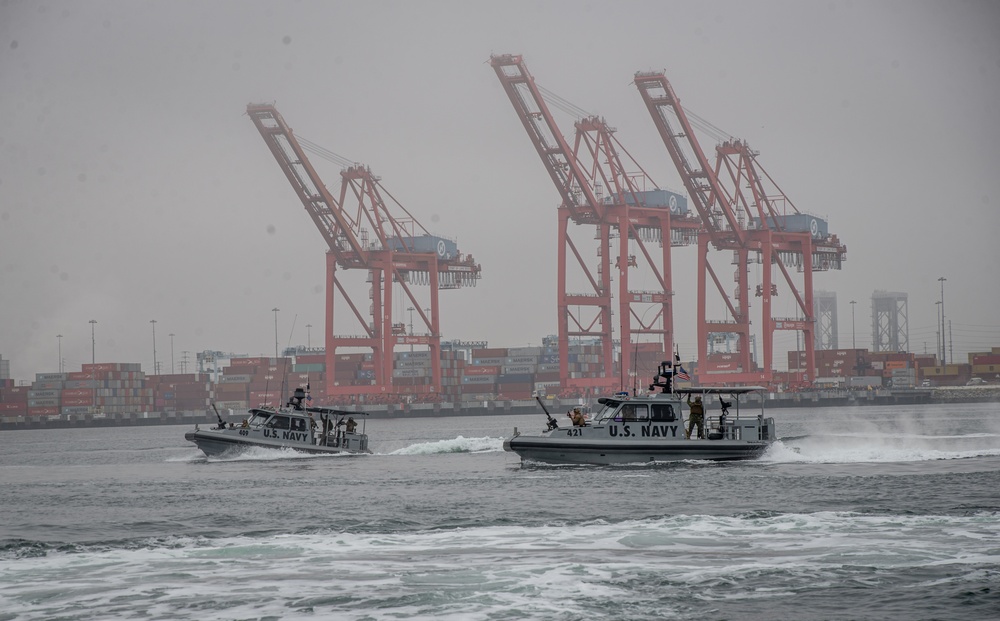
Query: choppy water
column 861, row 513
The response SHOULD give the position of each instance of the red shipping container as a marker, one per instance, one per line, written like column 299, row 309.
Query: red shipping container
column 474, row 370
column 312, row 359
column 494, row 352
column 978, row 359
column 71, row 393
column 517, row 394
column 271, row 394
column 249, row 362
column 47, row 411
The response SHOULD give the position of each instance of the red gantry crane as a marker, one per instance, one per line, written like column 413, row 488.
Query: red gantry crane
column 618, row 198
column 746, row 213
column 363, row 233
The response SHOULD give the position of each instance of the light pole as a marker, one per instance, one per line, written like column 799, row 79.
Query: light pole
column 93, row 322
column 944, row 359
column 854, row 343
column 275, row 311
column 411, row 309
column 171, row 335
column 153, row 321
column 59, row 336
column 309, row 336
column 940, row 334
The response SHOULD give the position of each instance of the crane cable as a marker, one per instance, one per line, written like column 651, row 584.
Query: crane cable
column 325, row 153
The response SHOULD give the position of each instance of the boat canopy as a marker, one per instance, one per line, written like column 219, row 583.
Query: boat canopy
column 719, row 390
column 333, row 411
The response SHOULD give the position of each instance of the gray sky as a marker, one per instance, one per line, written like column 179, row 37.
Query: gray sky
column 133, row 187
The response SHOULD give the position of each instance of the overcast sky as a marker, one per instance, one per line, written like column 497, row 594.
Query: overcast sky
column 133, row 186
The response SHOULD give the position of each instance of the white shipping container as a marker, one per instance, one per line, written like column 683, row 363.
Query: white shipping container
column 414, row 364
column 468, row 397
column 44, row 394
column 79, row 409
column 547, row 386
column 231, row 405
column 234, row 379
column 479, row 379
column 43, row 403
column 487, row 362
column 524, row 351
column 862, row 381
column 411, row 373
column 521, row 360
column 50, row 377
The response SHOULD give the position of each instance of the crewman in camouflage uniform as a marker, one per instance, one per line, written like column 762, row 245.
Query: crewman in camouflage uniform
column 697, row 418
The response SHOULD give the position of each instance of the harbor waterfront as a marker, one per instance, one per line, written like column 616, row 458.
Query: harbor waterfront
column 854, row 513
column 819, row 398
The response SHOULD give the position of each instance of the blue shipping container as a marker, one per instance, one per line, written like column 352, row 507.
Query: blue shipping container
column 799, row 223
column 677, row 203
column 444, row 248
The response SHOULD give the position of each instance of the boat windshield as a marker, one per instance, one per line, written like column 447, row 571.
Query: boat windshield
column 607, row 409
column 258, row 419
column 279, row 422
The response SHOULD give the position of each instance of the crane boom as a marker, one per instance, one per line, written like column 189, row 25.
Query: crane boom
column 401, row 255
column 744, row 211
column 328, row 214
column 702, row 184
column 577, row 194
column 601, row 184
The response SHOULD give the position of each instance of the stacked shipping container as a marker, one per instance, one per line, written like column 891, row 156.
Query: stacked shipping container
column 182, row 392
column 258, row 382
column 96, row 390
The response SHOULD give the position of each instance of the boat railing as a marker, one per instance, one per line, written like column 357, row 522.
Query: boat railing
column 342, row 439
column 747, row 428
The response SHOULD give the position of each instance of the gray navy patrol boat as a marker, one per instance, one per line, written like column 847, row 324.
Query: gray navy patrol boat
column 650, row 428
column 293, row 427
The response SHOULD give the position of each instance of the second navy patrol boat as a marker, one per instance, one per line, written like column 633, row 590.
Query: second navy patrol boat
column 293, row 427
column 650, row 428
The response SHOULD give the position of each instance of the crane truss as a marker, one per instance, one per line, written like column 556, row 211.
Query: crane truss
column 601, row 188
column 744, row 212
column 370, row 236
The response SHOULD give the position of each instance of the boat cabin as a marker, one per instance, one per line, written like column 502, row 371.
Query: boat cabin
column 720, row 423
column 335, row 428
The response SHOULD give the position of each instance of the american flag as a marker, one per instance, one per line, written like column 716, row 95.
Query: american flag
column 682, row 374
